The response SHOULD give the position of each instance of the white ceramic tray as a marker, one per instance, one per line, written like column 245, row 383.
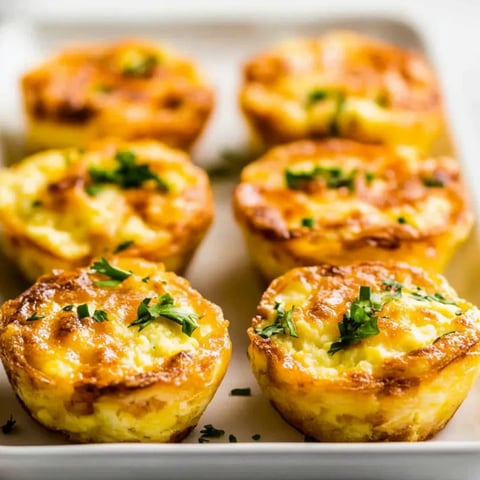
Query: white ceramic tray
column 221, row 36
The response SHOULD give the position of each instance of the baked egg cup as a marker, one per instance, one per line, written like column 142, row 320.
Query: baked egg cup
column 338, row 201
column 133, row 89
column 346, row 85
column 365, row 352
column 61, row 208
column 121, row 351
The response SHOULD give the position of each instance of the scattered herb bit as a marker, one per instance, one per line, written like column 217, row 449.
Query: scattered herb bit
column 103, row 88
column 37, row 203
column 83, row 311
column 370, row 177
column 164, row 307
column 145, row 279
column 34, row 317
column 317, row 95
column 459, row 313
column 334, row 177
column 308, row 222
column 392, row 284
column 209, row 431
column 433, row 182
column 402, row 220
column 117, row 275
column 94, row 190
column 232, row 438
column 139, row 64
column 241, row 392
column 100, row 316
column 444, row 335
column 382, row 100
column 360, row 321
column 129, row 174
column 9, row 425
column 256, row 437
column 123, row 246
column 309, row 439
column 68, row 308
column 283, row 322
column 436, row 297
column 334, row 127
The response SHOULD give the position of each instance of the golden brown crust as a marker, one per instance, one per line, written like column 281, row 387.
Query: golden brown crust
column 159, row 225
column 395, row 200
column 422, row 345
column 87, row 363
column 131, row 88
column 391, row 94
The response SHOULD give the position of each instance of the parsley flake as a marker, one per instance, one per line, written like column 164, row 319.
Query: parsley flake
column 283, row 322
column 139, row 65
column 9, row 425
column 241, row 392
column 433, row 182
column 68, row 308
column 436, row 297
column 444, row 335
column 308, row 222
column 34, row 317
column 100, row 316
column 256, row 437
column 318, row 95
column 164, row 307
column 232, row 438
column 402, row 220
column 128, row 174
column 208, row 432
column 117, row 275
column 359, row 322
column 334, row 177
column 83, row 311
column 123, row 246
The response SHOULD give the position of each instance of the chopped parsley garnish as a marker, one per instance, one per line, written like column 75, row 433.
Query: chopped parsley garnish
column 318, row 95
column 165, row 308
column 282, row 324
column 129, row 174
column 241, row 392
column 369, row 177
column 123, row 246
column 436, row 297
column 34, row 317
column 117, row 275
column 103, row 88
column 308, row 222
column 402, row 220
column 392, row 285
column 360, row 321
column 432, row 182
column 139, row 65
column 68, row 308
column 232, row 438
column 83, row 311
column 9, row 425
column 256, row 437
column 100, row 316
column 209, row 431
column 444, row 335
column 145, row 279
column 334, row 177
column 37, row 203
column 382, row 100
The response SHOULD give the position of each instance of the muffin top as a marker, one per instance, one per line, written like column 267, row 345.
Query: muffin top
column 136, row 81
column 142, row 198
column 363, row 324
column 340, row 192
column 122, row 323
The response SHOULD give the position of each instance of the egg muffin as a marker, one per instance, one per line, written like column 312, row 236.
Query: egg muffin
column 365, row 352
column 133, row 89
column 60, row 208
column 120, row 351
column 338, row 201
column 346, row 85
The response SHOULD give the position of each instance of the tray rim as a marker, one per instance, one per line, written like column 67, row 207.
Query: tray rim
column 204, row 11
